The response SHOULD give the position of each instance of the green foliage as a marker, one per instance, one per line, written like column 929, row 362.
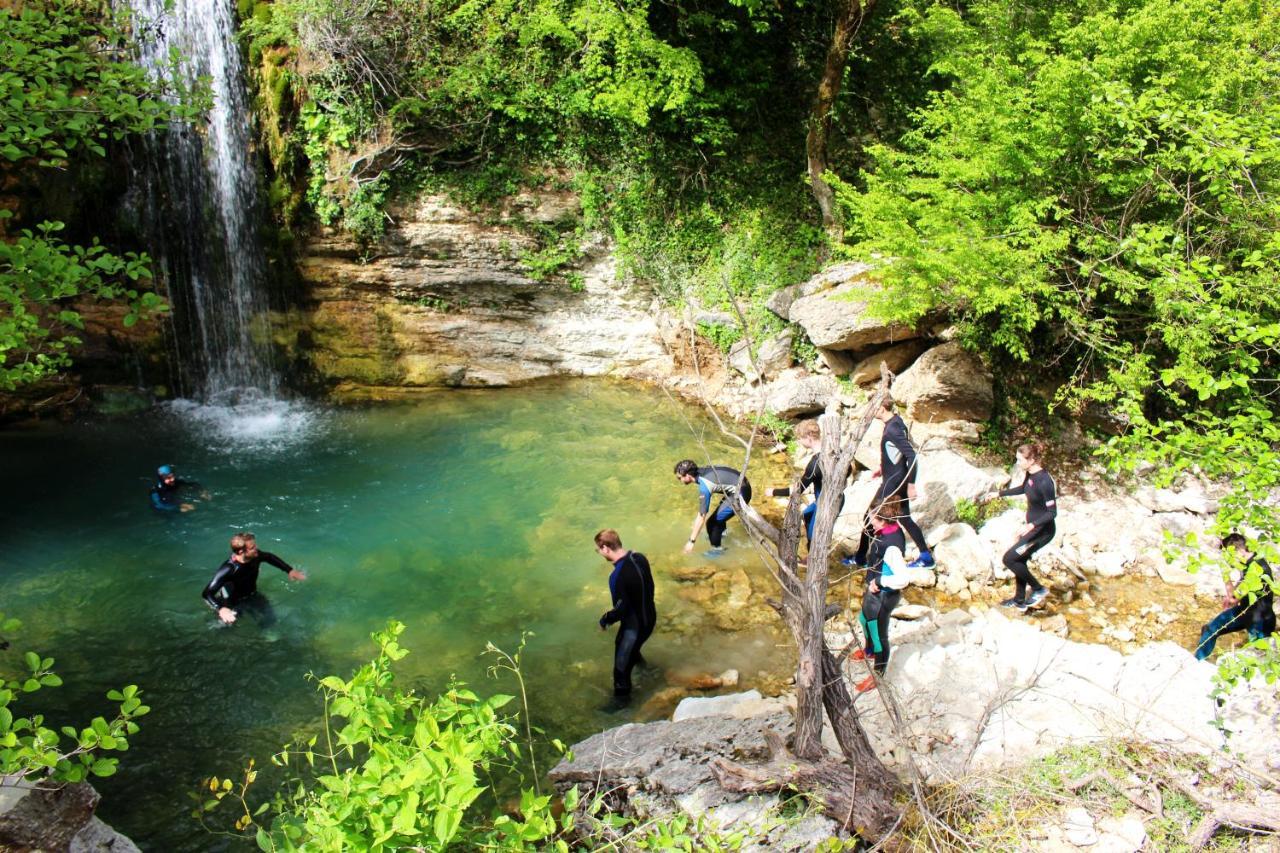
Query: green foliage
column 976, row 514
column 724, row 337
column 68, row 93
column 1098, row 189
column 391, row 769
column 33, row 754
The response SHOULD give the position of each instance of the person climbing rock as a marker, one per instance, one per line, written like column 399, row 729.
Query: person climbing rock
column 712, row 480
column 1042, row 508
column 167, row 491
column 631, row 593
column 887, row 576
column 1254, row 614
column 809, row 435
column 897, row 473
column 235, row 583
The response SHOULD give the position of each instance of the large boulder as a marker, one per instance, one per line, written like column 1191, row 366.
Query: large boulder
column 835, row 316
column 796, row 392
column 947, row 383
column 772, row 357
column 898, row 357
column 58, row 819
column 959, row 551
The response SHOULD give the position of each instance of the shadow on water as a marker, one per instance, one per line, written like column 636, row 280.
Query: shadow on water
column 467, row 516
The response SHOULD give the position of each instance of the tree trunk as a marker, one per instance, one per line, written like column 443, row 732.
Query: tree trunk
column 849, row 18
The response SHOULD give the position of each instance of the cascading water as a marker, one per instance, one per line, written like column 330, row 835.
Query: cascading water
column 196, row 194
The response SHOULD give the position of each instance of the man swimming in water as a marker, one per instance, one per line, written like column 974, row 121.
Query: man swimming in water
column 712, row 480
column 166, row 493
column 236, row 580
column 631, row 593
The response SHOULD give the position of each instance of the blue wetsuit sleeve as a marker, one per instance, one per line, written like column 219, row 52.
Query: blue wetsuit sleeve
column 704, row 499
column 272, row 559
column 159, row 504
column 218, row 581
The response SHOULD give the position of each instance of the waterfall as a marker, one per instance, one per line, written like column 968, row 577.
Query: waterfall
column 196, row 194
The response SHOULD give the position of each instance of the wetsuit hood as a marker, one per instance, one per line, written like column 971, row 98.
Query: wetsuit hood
column 164, row 471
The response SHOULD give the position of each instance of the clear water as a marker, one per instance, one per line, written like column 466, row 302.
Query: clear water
column 469, row 516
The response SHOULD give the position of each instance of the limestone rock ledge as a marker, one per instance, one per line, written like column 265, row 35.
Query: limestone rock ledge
column 57, row 821
column 445, row 300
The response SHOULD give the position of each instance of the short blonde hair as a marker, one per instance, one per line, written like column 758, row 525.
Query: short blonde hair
column 608, row 538
column 808, row 428
column 241, row 541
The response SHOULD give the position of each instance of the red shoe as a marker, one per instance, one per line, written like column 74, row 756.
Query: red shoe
column 860, row 654
column 867, row 684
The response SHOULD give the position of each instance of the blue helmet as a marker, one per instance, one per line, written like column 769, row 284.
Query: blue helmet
column 164, row 470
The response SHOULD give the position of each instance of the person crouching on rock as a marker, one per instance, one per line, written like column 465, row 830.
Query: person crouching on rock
column 1042, row 509
column 887, row 576
column 631, row 592
column 1255, row 614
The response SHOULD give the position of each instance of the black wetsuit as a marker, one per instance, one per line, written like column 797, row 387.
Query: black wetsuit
column 1257, row 617
column 878, row 606
column 237, row 584
column 812, row 477
column 631, row 588
column 166, row 496
column 1042, row 509
column 897, row 471
column 719, row 480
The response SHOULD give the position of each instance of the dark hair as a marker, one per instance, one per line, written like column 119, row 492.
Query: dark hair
column 686, row 466
column 608, row 538
column 1235, row 540
column 1033, row 451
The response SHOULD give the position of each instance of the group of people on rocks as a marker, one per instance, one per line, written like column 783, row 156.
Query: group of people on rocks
column 881, row 551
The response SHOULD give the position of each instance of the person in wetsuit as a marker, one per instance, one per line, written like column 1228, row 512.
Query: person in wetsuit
column 1042, row 509
column 631, row 591
column 887, row 576
column 235, row 583
column 1254, row 613
column 712, row 480
column 809, row 434
column 166, row 494
column 897, row 473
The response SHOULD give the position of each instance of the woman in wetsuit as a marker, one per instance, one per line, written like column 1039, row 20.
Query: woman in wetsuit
column 1042, row 509
column 809, row 434
column 887, row 575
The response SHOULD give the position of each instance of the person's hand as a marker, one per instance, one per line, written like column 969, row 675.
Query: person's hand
column 688, row 547
column 873, row 587
column 875, row 473
column 768, row 493
column 226, row 614
column 988, row 497
column 297, row 575
column 911, row 491
column 1230, row 601
column 204, row 495
column 186, row 507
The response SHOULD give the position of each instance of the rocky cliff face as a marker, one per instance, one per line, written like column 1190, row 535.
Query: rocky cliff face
column 444, row 300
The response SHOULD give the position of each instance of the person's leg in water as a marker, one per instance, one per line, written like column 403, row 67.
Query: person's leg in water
column 626, row 645
column 259, row 607
column 1015, row 560
column 717, row 522
column 1234, row 618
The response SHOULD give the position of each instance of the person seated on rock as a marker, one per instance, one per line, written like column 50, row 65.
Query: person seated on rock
column 1042, row 508
column 631, row 593
column 887, row 576
column 235, row 583
column 897, row 473
column 1255, row 613
column 809, row 434
column 166, row 493
column 712, row 480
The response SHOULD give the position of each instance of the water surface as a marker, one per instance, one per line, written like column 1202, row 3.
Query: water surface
column 468, row 515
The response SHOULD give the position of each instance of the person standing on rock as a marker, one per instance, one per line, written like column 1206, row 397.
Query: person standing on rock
column 809, row 434
column 712, row 480
column 897, row 473
column 1042, row 509
column 887, row 576
column 1258, row 616
column 631, row 593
